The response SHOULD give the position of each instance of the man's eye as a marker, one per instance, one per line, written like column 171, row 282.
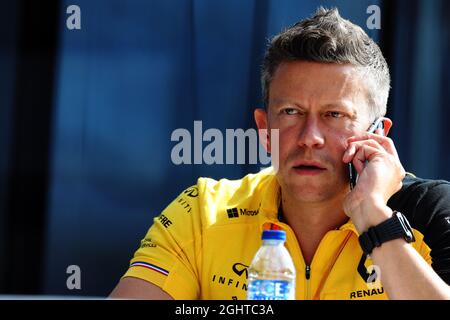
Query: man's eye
column 290, row 111
column 334, row 114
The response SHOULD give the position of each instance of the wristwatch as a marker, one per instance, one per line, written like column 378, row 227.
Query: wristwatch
column 393, row 228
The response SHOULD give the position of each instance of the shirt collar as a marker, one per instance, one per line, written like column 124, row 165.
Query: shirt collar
column 349, row 226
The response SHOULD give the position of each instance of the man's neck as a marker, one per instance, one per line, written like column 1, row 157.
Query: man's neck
column 311, row 221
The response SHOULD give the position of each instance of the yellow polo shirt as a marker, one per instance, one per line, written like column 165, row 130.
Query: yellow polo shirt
column 201, row 245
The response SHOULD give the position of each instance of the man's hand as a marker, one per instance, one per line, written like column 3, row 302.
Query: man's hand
column 405, row 274
column 378, row 179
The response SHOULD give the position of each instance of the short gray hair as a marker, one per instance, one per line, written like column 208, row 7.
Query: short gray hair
column 327, row 37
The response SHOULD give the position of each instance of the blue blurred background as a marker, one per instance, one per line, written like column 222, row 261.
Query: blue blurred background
column 86, row 115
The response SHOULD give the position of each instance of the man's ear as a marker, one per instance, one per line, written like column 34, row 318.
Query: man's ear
column 263, row 131
column 387, row 125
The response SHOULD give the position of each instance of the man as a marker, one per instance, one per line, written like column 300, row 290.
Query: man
column 324, row 82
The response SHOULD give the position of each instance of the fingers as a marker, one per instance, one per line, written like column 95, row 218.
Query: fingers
column 364, row 153
column 355, row 146
column 384, row 141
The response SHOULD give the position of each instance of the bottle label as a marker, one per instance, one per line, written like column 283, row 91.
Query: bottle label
column 271, row 290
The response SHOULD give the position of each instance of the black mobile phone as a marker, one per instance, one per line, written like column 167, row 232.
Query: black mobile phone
column 353, row 174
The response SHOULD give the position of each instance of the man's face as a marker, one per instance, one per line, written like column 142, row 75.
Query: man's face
column 316, row 107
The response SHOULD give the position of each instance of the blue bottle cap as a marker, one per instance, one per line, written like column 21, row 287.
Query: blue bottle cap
column 274, row 235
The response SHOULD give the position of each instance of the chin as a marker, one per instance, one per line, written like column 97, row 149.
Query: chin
column 310, row 194
column 315, row 191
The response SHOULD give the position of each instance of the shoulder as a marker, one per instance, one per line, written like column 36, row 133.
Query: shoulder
column 426, row 204
column 417, row 194
column 214, row 202
column 414, row 189
column 225, row 188
column 219, row 199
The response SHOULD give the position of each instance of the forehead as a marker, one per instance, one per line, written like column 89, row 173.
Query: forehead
column 312, row 83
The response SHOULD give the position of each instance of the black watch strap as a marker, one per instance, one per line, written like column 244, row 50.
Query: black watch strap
column 393, row 228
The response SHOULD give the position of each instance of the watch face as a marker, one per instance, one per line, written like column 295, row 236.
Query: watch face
column 409, row 236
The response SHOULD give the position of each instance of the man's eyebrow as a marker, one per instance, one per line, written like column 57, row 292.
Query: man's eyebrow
column 337, row 105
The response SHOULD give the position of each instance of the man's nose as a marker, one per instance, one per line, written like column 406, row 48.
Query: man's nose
column 311, row 134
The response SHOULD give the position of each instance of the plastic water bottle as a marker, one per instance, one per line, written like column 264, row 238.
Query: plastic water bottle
column 271, row 275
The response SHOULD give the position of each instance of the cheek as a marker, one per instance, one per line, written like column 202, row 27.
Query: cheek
column 337, row 145
column 341, row 143
column 287, row 140
column 341, row 137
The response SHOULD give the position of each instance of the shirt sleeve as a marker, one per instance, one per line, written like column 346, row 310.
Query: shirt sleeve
column 167, row 256
column 437, row 234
